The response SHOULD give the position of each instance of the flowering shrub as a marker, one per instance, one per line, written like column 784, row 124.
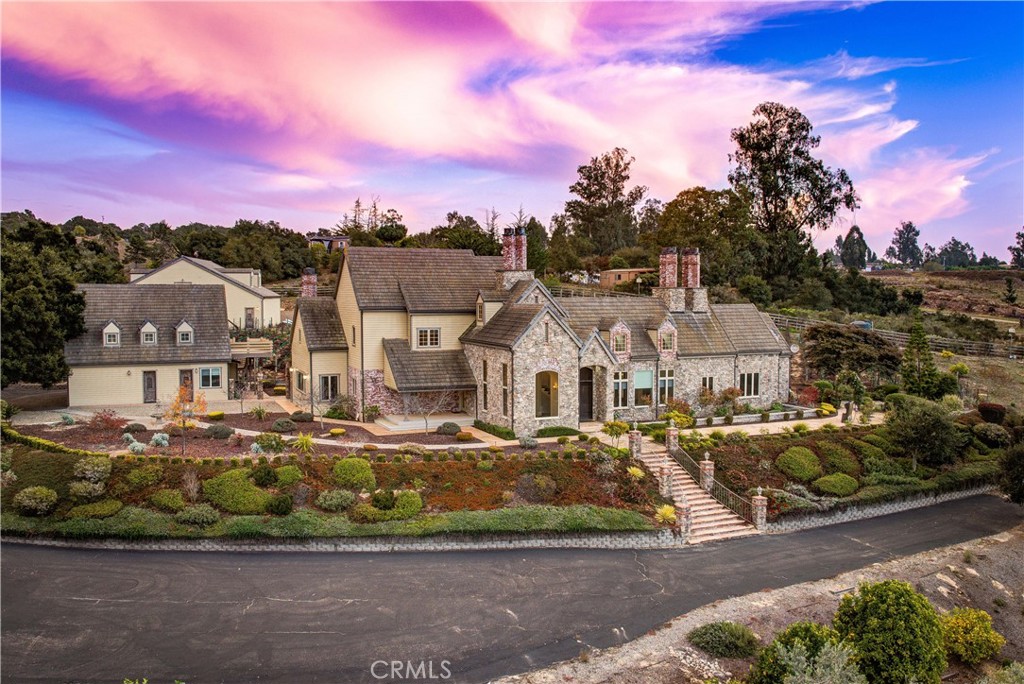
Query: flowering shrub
column 35, row 500
column 968, row 634
column 93, row 469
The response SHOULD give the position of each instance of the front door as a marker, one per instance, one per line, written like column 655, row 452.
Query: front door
column 586, row 394
column 185, row 380
column 149, row 387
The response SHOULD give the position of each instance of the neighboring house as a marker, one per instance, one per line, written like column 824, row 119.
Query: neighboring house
column 250, row 306
column 319, row 352
column 144, row 341
column 617, row 276
column 483, row 333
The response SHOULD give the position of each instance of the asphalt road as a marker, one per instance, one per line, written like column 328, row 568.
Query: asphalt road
column 103, row 616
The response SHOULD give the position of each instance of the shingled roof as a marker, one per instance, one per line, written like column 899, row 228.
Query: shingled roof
column 165, row 306
column 434, row 280
column 422, row 371
column 321, row 323
column 504, row 327
column 211, row 267
column 748, row 329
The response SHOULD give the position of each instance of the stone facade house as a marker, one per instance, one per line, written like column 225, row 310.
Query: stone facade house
column 431, row 329
column 250, row 306
column 144, row 341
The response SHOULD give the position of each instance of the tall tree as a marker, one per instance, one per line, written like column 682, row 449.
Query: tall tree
column 791, row 193
column 957, row 254
column 904, row 248
column 1017, row 251
column 562, row 256
column 605, row 211
column 391, row 229
column 460, row 232
column 854, row 252
column 918, row 372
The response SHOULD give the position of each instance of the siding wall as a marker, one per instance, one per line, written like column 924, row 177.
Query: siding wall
column 112, row 385
column 382, row 325
column 451, row 325
column 349, row 312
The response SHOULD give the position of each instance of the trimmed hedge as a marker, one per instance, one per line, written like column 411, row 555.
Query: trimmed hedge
column 496, row 430
column 169, row 500
column 9, row 434
column 799, row 463
column 837, row 484
column 234, row 492
column 556, row 431
column 355, row 474
column 100, row 509
column 407, row 504
column 838, row 459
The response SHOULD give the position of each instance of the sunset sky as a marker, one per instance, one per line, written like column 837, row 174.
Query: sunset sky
column 211, row 112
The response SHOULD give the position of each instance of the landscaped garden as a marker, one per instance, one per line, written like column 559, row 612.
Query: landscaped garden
column 265, row 487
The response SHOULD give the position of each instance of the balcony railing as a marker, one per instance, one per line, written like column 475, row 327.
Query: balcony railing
column 252, row 347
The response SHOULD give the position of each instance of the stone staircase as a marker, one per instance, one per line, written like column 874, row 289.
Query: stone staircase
column 710, row 520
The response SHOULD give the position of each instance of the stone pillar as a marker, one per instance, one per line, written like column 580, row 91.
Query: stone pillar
column 707, row 473
column 668, row 274
column 665, row 482
column 671, row 437
column 684, row 517
column 760, row 510
column 309, row 283
column 635, row 443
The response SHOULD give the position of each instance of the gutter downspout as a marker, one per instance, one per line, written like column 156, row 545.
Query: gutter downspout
column 311, row 376
column 362, row 367
column 512, row 386
column 657, row 385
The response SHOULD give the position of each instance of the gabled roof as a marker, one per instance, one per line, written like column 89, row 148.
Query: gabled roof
column 421, row 371
column 321, row 323
column 511, row 322
column 213, row 268
column 203, row 306
column 441, row 280
column 748, row 329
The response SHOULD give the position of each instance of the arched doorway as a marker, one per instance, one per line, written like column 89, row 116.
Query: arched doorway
column 547, row 394
column 586, row 394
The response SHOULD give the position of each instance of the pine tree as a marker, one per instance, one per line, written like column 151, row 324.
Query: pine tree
column 918, row 371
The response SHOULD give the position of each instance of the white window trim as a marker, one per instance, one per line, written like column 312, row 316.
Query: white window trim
column 615, row 387
column 755, row 379
column 210, row 373
column 666, row 375
column 148, row 343
column 428, row 331
column 190, row 340
column 108, row 342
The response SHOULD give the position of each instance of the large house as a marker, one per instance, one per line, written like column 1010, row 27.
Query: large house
column 249, row 305
column 417, row 330
column 142, row 342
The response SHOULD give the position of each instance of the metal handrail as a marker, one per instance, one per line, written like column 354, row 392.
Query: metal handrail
column 719, row 492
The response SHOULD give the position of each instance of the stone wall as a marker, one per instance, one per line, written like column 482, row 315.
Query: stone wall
column 475, row 355
column 534, row 354
column 774, row 381
column 805, row 522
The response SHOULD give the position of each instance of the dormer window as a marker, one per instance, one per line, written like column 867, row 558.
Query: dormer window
column 111, row 335
column 479, row 312
column 186, row 334
column 668, row 342
column 619, row 343
column 147, row 334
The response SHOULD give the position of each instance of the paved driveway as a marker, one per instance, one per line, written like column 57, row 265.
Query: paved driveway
column 102, row 616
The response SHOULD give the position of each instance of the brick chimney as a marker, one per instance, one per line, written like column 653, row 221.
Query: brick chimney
column 508, row 250
column 668, row 275
column 520, row 245
column 308, row 283
column 690, row 268
column 513, row 259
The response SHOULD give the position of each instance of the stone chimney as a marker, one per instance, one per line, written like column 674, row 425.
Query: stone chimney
column 513, row 259
column 690, row 267
column 668, row 274
column 509, row 259
column 308, row 283
column 520, row 245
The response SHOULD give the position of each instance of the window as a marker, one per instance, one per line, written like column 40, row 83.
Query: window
column 708, row 383
column 479, row 312
column 300, row 381
column 750, row 384
column 149, row 338
column 504, row 389
column 547, row 332
column 485, row 384
column 619, row 343
column 353, row 340
column 428, row 337
column 666, row 386
column 111, row 339
column 209, row 378
column 547, row 394
column 668, row 342
column 620, row 389
column 184, row 337
column 643, row 387
column 329, row 385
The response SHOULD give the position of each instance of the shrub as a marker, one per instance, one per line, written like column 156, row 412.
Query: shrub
column 301, row 417
column 234, row 492
column 496, row 430
column 94, row 469
column 169, row 500
column 1011, row 674
column 557, row 431
column 258, row 412
column 128, row 438
column 83, row 489
column 992, row 435
column 895, row 631
column 882, row 443
column 448, row 428
column 269, row 442
column 254, row 448
column 288, row 475
column 303, row 443
column 407, row 504
column 337, row 432
column 215, row 415
column 528, row 442
column 968, row 634
column 799, row 463
column 160, row 439
column 219, row 431
column 143, row 476
column 280, row 504
column 770, row 668
column 383, row 499
column 724, row 640
column 134, row 428
column 283, row 425
column 464, row 437
column 867, row 451
column 137, row 448
column 201, row 515
column 100, row 509
column 354, row 473
column 992, row 413
column 838, row 459
column 837, row 484
column 335, row 500
column 263, row 475
column 35, row 500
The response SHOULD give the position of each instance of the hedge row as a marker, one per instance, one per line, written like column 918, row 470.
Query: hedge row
column 9, row 433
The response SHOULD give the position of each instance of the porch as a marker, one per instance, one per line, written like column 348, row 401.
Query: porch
column 398, row 422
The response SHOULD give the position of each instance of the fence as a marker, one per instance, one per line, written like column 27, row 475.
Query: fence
column 719, row 492
column 936, row 343
column 296, row 290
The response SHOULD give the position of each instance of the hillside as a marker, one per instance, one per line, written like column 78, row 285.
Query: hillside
column 970, row 292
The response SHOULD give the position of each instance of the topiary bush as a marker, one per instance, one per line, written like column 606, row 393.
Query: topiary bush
column 838, row 459
column 280, row 504
column 283, row 425
column 335, row 500
column 35, row 500
column 448, row 428
column 799, row 463
column 288, row 475
column 895, row 631
column 992, row 435
column 215, row 415
column 968, row 634
column 201, row 515
column 169, row 500
column 234, row 492
column 355, row 474
column 464, row 437
column 143, row 476
column 836, row 484
column 263, row 475
column 93, row 469
column 725, row 640
column 100, row 509
column 407, row 505
column 219, row 431
column 770, row 668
